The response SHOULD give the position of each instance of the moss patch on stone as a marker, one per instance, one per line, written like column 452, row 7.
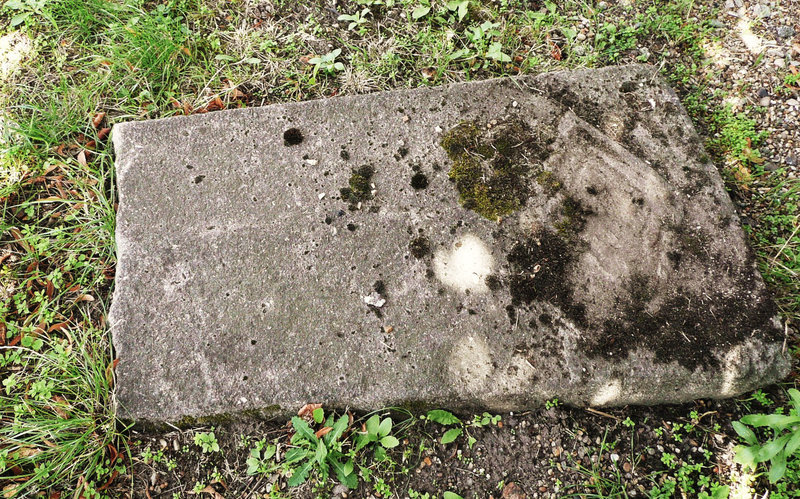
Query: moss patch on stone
column 359, row 187
column 492, row 164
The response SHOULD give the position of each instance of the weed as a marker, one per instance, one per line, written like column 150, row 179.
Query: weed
column 207, row 441
column 782, row 444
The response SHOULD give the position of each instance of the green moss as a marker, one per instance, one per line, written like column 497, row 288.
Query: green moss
column 574, row 218
column 549, row 182
column 491, row 165
column 359, row 187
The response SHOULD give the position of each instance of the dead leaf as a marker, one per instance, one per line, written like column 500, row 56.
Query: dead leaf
column 50, row 199
column 307, row 411
column 60, row 406
column 15, row 233
column 306, row 59
column 57, row 327
column 25, row 452
column 110, row 372
column 323, row 431
column 428, row 73
column 215, row 105
column 98, row 119
column 103, row 133
column 186, row 51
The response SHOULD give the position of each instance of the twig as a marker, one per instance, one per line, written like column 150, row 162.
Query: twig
column 601, row 413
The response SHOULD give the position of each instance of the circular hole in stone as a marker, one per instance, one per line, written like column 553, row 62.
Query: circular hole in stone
column 292, row 137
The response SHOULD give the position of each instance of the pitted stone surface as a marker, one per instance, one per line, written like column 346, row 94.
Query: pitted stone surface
column 261, row 266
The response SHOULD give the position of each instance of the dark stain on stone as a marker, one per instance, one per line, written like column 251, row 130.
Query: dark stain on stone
column 493, row 282
column 511, row 311
column 675, row 258
column 352, row 227
column 686, row 327
column 627, row 86
column 199, row 179
column 292, row 137
column 591, row 190
column 420, row 247
column 539, row 267
column 419, row 181
column 344, row 154
column 380, row 287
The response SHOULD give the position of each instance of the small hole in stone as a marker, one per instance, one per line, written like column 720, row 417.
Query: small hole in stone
column 199, row 179
column 419, row 181
column 244, row 378
column 189, row 167
column 292, row 137
column 352, row 227
column 253, row 342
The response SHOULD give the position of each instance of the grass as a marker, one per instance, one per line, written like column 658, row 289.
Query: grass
column 142, row 60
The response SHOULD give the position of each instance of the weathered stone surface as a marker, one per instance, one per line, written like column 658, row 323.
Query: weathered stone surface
column 319, row 252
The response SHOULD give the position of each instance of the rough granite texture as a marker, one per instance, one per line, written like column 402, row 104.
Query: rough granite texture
column 617, row 273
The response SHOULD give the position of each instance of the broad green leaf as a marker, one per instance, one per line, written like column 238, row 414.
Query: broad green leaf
column 747, row 456
column 745, row 433
column 721, row 492
column 318, row 415
column 19, row 18
column 373, row 424
column 442, row 417
column 223, row 57
column 252, row 465
column 14, row 4
column 389, row 442
column 252, row 60
column 338, row 66
column 471, row 441
column 794, row 394
column 322, row 451
column 380, row 453
column 385, row 427
column 420, row 12
column 771, row 448
column 569, row 33
column 269, row 452
column 361, row 441
column 450, row 435
column 793, row 444
column 295, row 454
column 300, row 474
column 451, row 495
column 778, row 467
column 338, row 429
column 775, row 421
column 302, row 429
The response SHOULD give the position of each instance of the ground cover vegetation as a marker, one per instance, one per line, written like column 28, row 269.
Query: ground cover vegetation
column 70, row 69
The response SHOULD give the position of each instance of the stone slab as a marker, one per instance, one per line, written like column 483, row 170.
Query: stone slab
column 595, row 257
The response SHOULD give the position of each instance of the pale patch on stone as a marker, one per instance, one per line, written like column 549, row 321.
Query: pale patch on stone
column 607, row 394
column 465, row 266
column 471, row 363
